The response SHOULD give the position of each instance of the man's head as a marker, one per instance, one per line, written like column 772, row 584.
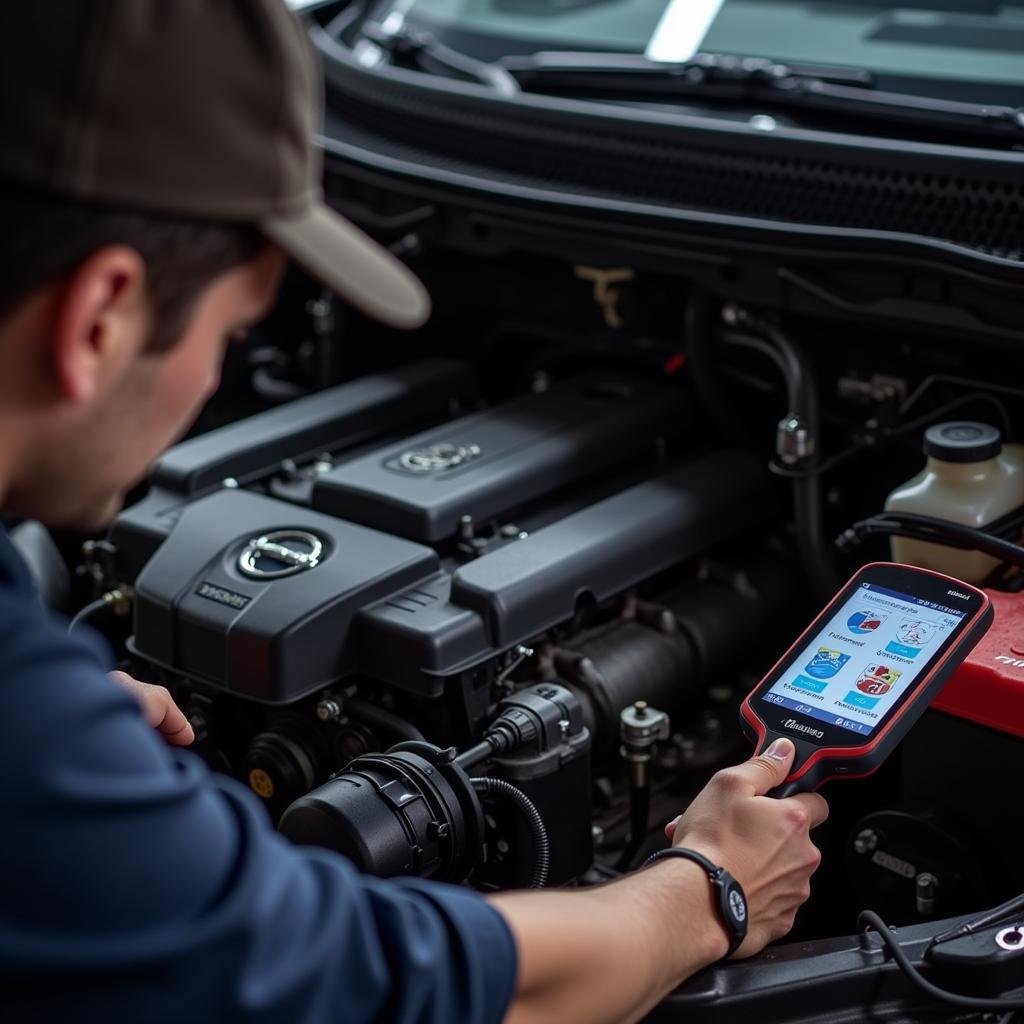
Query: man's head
column 112, row 332
column 157, row 169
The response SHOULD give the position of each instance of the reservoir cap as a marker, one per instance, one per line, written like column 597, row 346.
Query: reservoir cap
column 962, row 441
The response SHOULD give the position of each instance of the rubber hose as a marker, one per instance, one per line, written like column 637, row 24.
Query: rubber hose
column 534, row 823
column 815, row 552
column 369, row 714
column 802, row 397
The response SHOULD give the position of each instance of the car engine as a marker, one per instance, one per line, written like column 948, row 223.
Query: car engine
column 529, row 594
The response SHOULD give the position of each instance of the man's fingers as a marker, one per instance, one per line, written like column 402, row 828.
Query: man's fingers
column 815, row 807
column 174, row 726
column 763, row 772
column 159, row 709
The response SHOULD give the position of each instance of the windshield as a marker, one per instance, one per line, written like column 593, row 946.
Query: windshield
column 979, row 41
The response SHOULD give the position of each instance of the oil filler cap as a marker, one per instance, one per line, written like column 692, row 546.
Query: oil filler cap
column 962, row 441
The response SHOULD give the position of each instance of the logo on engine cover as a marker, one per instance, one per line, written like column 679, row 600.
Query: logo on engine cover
column 222, row 595
column 280, row 553
column 437, row 457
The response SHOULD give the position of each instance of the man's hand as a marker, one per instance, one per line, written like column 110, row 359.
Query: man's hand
column 606, row 955
column 159, row 708
column 764, row 843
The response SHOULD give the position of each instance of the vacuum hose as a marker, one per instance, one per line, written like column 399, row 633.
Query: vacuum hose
column 797, row 442
column 534, row 823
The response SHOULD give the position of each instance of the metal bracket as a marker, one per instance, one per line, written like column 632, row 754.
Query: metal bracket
column 606, row 294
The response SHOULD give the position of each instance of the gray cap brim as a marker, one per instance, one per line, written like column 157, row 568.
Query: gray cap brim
column 349, row 262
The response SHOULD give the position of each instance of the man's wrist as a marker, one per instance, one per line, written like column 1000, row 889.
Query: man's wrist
column 706, row 934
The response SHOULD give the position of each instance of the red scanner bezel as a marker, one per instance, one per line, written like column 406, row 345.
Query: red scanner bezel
column 812, row 760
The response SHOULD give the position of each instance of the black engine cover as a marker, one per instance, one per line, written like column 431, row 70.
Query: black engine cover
column 273, row 638
column 384, row 606
column 500, row 459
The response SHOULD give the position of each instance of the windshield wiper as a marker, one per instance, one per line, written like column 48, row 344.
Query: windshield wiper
column 822, row 88
column 420, row 50
column 810, row 87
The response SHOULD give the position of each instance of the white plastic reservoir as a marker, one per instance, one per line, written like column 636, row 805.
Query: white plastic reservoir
column 969, row 477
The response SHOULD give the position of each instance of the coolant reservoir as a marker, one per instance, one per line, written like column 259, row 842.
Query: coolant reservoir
column 970, row 477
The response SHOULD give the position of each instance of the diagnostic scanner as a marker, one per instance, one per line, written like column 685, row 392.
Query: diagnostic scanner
column 864, row 671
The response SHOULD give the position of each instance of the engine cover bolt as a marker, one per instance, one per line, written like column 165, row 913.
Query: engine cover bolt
column 328, row 710
column 866, row 841
column 924, row 892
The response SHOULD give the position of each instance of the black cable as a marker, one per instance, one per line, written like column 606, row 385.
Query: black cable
column 978, row 387
column 956, row 403
column 534, row 824
column 894, row 432
column 932, row 531
column 868, row 918
column 1011, row 908
column 88, row 612
column 822, row 468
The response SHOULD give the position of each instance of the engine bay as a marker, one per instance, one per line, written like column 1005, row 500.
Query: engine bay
column 499, row 637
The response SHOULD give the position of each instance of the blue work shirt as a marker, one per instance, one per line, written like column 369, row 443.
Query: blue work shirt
column 135, row 885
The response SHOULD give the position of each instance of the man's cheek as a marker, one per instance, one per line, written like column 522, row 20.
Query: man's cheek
column 188, row 393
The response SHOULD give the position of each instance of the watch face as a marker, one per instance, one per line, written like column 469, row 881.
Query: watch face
column 737, row 905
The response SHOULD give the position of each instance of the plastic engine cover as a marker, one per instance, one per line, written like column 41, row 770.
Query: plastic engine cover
column 988, row 688
column 231, row 597
column 497, row 460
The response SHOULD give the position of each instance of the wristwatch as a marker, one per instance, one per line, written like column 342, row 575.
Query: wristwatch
column 729, row 897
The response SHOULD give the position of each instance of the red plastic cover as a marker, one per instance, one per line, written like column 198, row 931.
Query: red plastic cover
column 988, row 687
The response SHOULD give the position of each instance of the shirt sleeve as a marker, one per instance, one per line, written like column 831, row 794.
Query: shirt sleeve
column 135, row 884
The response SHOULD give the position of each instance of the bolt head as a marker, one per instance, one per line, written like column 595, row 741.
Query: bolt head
column 866, row 841
column 328, row 710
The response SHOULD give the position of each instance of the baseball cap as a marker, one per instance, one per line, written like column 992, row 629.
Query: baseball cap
column 199, row 108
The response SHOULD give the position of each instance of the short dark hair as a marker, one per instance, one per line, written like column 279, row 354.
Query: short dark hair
column 43, row 237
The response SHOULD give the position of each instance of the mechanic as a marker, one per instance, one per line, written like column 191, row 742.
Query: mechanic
column 157, row 169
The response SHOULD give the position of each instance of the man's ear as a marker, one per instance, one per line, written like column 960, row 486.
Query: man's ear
column 101, row 322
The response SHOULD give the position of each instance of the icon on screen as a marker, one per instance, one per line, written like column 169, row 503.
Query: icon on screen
column 877, row 680
column 867, row 620
column 915, row 632
column 826, row 663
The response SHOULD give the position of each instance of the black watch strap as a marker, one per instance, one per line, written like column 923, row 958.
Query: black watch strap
column 729, row 896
